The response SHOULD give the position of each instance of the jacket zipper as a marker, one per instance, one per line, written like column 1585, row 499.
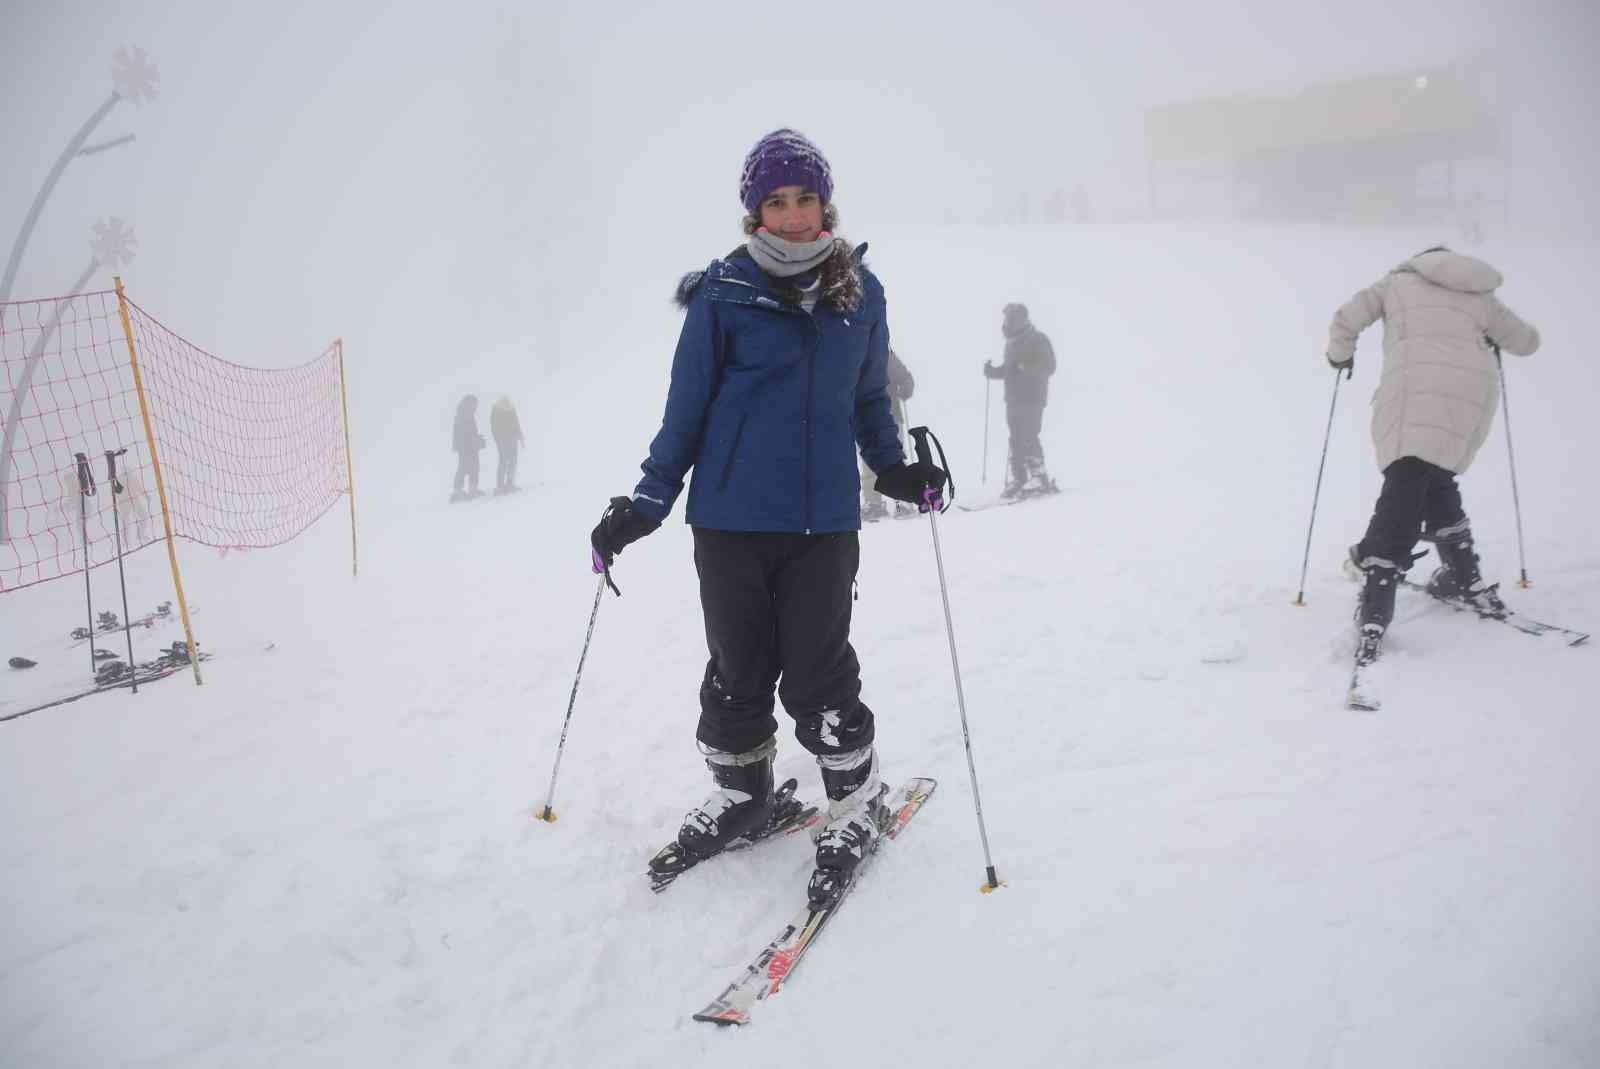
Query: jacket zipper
column 811, row 380
column 811, row 376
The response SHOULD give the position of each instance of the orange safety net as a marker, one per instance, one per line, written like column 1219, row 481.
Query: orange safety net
column 250, row 457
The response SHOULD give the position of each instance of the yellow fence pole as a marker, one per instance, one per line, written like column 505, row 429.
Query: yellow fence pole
column 349, row 461
column 161, row 486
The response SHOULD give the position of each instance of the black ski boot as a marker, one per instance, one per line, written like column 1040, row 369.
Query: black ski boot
column 1457, row 578
column 1375, row 606
column 741, row 804
column 856, row 816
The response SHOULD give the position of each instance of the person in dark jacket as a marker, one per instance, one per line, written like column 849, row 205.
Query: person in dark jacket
column 781, row 374
column 1026, row 369
column 875, row 506
column 467, row 442
column 507, row 432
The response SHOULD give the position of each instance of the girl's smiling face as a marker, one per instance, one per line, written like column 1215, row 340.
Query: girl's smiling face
column 793, row 213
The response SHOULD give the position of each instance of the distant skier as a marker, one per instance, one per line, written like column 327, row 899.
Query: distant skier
column 875, row 506
column 467, row 442
column 1026, row 368
column 507, row 432
column 781, row 374
column 1432, row 410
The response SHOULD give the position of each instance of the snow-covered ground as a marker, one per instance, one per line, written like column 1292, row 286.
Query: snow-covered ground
column 327, row 854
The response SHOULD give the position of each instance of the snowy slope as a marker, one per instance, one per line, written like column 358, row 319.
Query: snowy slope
column 326, row 855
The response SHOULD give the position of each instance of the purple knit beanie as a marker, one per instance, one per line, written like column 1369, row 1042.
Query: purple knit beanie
column 783, row 158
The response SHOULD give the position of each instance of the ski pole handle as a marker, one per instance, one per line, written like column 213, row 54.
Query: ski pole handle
column 933, row 497
column 85, row 476
column 111, row 468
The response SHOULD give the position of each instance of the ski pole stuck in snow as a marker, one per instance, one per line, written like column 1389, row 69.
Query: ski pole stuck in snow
column 116, row 521
column 86, row 490
column 1516, row 499
column 987, row 394
column 1300, row 598
column 934, row 504
column 547, row 814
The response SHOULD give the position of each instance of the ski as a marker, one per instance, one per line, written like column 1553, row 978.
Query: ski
column 789, row 815
column 1508, row 617
column 1003, row 502
column 110, row 624
column 766, row 975
column 148, row 673
column 1361, row 694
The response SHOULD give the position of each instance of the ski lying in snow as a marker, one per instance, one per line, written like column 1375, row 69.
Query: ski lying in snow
column 765, row 976
column 789, row 815
column 1508, row 617
column 1369, row 647
column 148, row 673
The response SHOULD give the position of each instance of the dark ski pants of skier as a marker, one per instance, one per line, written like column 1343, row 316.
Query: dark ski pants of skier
column 1415, row 495
column 777, row 607
column 1023, row 420
column 467, row 470
column 505, row 472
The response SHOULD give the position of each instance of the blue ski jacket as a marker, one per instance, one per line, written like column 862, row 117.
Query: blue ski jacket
column 768, row 405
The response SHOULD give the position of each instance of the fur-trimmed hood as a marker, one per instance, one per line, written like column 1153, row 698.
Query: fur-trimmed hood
column 842, row 284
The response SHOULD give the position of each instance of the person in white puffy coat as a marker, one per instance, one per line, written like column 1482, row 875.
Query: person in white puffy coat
column 1442, row 329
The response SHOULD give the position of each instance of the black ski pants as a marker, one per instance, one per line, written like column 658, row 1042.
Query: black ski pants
column 1023, row 420
column 777, row 614
column 1415, row 494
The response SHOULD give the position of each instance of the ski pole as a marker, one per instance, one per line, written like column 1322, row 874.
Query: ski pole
column 933, row 503
column 116, row 523
column 988, row 398
column 1300, row 598
column 1516, row 500
column 85, row 492
column 547, row 814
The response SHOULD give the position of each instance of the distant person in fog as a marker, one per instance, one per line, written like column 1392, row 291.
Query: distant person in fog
column 1026, row 368
column 467, row 442
column 901, row 384
column 507, row 432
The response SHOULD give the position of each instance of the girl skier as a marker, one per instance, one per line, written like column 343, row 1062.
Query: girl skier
column 780, row 374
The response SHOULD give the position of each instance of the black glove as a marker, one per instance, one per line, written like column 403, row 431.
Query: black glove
column 990, row 371
column 620, row 526
column 906, row 482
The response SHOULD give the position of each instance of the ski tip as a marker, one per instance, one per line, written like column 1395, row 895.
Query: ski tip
column 726, row 1017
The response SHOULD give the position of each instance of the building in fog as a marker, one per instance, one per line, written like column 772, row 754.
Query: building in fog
column 1423, row 146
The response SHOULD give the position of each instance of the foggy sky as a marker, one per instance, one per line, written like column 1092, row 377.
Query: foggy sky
column 433, row 181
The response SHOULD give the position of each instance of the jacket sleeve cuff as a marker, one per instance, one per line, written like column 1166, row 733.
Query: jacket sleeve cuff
column 651, row 507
